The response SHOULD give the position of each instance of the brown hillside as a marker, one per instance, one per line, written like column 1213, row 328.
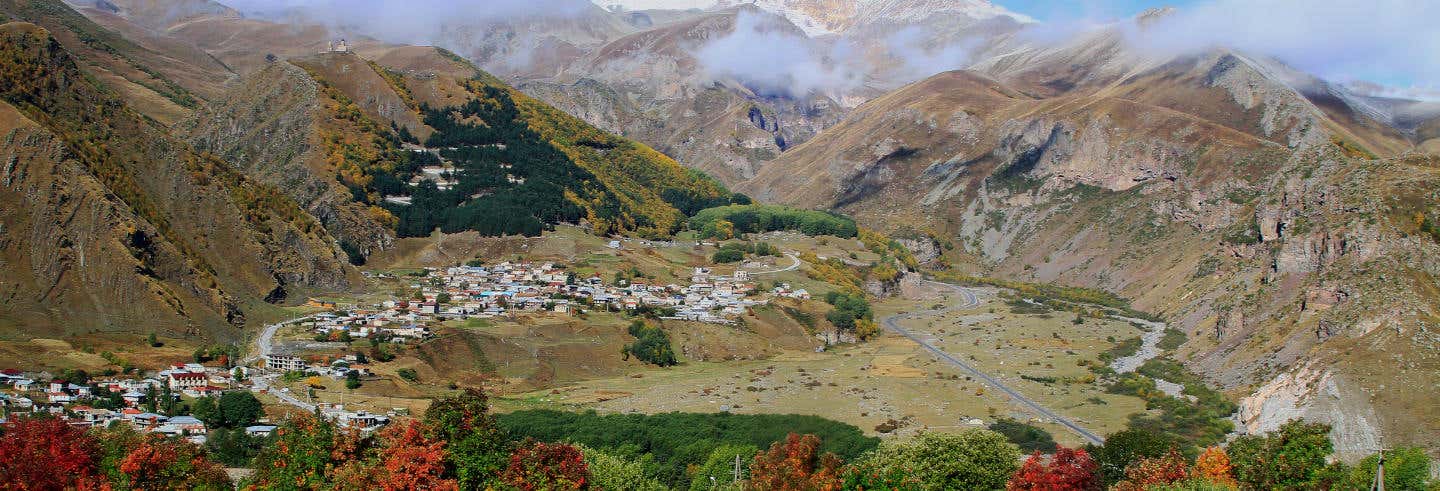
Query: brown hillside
column 1247, row 218
column 127, row 229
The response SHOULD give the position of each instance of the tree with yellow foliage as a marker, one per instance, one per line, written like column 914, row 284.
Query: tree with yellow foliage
column 724, row 230
column 1214, row 466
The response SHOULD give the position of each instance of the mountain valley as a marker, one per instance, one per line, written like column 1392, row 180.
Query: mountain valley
column 902, row 218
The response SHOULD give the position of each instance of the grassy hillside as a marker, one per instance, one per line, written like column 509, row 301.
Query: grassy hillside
column 517, row 165
column 204, row 242
column 160, row 85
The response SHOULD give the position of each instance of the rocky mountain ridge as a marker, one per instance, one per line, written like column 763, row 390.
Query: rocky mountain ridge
column 1201, row 187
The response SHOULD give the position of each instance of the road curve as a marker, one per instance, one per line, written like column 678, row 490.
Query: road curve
column 264, row 345
column 794, row 264
column 892, row 323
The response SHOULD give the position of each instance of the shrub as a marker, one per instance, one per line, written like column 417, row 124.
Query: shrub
column 1214, row 466
column 1172, row 339
column 408, row 374
column 765, row 218
column 727, row 255
column 1028, row 437
column 1125, row 447
column 1405, row 468
column 476, row 448
column 1068, row 470
column 850, row 310
column 546, row 467
column 652, row 345
column 678, row 441
column 1142, row 474
column 611, row 471
column 46, row 453
column 1291, row 457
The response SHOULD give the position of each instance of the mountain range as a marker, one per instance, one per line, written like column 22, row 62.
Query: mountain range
column 1285, row 222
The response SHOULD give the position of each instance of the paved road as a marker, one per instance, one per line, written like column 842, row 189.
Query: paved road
column 794, row 264
column 264, row 345
column 265, row 342
column 892, row 323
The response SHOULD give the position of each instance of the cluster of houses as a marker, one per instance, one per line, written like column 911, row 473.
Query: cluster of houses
column 74, row 401
column 504, row 288
column 21, row 394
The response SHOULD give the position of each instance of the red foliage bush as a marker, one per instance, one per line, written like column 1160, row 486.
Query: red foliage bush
column 44, row 453
column 796, row 465
column 546, row 466
column 1167, row 469
column 1068, row 470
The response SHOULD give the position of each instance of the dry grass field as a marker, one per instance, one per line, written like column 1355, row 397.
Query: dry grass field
column 768, row 363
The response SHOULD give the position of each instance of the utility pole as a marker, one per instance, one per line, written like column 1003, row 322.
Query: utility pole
column 736, row 477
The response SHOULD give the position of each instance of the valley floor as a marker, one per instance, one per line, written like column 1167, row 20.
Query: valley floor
column 769, row 364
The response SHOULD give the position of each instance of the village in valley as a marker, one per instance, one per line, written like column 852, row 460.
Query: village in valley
column 139, row 401
column 543, row 323
column 485, row 291
column 290, row 372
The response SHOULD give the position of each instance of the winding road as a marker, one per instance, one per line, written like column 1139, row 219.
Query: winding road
column 264, row 345
column 971, row 301
column 794, row 264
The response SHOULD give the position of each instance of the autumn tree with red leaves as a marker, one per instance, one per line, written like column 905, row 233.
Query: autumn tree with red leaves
column 1168, row 469
column 536, row 466
column 158, row 462
column 796, row 464
column 44, row 453
column 412, row 460
column 1068, row 470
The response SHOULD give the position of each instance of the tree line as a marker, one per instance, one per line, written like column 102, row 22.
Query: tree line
column 459, row 444
column 724, row 222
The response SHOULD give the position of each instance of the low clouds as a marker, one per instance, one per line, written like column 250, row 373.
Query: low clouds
column 1395, row 42
column 772, row 58
column 919, row 56
column 409, row 21
column 1392, row 42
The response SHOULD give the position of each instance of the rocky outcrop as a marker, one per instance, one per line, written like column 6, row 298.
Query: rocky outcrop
column 650, row 87
column 1315, row 394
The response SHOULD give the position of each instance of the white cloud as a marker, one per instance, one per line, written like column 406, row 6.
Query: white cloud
column 408, row 21
column 767, row 55
column 1391, row 41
